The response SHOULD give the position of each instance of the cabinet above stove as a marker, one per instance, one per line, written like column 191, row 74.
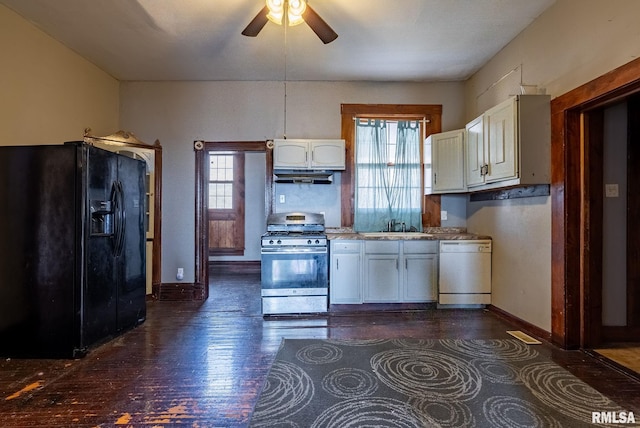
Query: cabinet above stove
column 309, row 154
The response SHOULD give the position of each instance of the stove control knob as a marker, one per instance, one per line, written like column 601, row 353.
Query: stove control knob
column 317, row 241
column 309, row 242
column 271, row 241
column 279, row 242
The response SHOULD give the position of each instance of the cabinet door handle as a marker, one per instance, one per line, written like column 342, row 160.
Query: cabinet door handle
column 406, row 264
column 337, row 264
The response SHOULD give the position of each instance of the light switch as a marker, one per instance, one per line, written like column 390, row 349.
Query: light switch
column 611, row 191
column 443, row 215
column 282, row 199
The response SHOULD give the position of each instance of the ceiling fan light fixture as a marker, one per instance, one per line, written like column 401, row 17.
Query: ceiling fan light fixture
column 276, row 11
column 295, row 9
column 297, row 12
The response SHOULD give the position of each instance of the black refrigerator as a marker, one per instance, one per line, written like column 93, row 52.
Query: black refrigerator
column 72, row 248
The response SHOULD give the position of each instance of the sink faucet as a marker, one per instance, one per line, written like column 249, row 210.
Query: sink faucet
column 390, row 225
column 404, row 227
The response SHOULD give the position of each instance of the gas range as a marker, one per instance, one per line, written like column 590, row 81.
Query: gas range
column 294, row 264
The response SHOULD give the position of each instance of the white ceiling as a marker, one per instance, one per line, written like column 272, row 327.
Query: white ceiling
column 379, row 40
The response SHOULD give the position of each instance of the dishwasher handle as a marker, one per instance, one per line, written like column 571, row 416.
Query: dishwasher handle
column 465, row 246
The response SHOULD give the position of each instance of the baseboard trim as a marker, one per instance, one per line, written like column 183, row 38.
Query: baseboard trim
column 527, row 327
column 179, row 291
column 379, row 307
column 234, row 267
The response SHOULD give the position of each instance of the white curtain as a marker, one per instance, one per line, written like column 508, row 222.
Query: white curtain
column 388, row 186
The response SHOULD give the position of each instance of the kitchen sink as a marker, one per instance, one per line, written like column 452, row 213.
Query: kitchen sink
column 397, row 235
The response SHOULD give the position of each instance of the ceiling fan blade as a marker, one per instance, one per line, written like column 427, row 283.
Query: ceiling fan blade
column 257, row 23
column 317, row 24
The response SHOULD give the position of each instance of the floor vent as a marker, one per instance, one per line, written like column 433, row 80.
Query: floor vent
column 524, row 337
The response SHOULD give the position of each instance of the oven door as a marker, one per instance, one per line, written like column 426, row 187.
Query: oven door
column 294, row 271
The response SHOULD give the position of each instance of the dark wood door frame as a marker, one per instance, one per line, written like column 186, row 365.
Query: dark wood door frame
column 201, row 148
column 575, row 286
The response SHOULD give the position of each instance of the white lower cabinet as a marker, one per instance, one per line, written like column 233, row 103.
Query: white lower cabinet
column 420, row 278
column 400, row 271
column 420, row 271
column 382, row 283
column 345, row 277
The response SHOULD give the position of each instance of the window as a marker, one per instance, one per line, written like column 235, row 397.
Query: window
column 388, row 174
column 221, row 181
column 349, row 112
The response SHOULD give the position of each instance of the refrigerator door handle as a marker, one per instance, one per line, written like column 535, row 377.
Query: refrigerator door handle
column 118, row 224
column 122, row 220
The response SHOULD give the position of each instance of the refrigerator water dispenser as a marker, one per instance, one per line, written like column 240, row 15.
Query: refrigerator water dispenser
column 101, row 218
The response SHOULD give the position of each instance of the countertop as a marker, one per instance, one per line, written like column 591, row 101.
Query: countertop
column 431, row 233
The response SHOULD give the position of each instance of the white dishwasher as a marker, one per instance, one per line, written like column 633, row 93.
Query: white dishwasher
column 465, row 272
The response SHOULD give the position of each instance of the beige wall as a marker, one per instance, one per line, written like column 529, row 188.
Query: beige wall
column 572, row 43
column 49, row 94
column 177, row 113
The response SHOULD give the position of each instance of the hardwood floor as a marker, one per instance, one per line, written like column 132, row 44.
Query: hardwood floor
column 203, row 363
column 625, row 356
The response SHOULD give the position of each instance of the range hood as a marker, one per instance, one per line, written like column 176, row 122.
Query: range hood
column 303, row 176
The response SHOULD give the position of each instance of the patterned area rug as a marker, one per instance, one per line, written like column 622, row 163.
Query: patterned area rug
column 422, row 383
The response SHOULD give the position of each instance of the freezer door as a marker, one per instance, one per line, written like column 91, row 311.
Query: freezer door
column 99, row 303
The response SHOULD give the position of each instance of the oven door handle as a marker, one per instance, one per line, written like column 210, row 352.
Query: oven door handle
column 298, row 250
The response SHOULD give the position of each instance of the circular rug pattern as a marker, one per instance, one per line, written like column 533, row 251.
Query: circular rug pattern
column 350, row 383
column 429, row 373
column 496, row 371
column 445, row 414
column 512, row 412
column 558, row 388
column 321, row 353
column 371, row 412
column 509, row 350
column 287, row 390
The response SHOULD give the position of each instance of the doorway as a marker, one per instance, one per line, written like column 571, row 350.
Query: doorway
column 203, row 218
column 610, row 229
column 577, row 210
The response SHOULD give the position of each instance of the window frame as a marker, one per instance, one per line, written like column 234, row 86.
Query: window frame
column 349, row 112
column 233, row 182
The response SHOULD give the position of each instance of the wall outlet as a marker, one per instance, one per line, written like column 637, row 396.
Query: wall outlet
column 180, row 274
column 443, row 215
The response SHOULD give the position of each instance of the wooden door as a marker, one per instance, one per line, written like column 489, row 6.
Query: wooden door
column 226, row 203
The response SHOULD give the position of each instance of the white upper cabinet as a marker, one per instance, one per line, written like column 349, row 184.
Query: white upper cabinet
column 474, row 150
column 309, row 154
column 290, row 154
column 509, row 144
column 444, row 162
column 502, row 141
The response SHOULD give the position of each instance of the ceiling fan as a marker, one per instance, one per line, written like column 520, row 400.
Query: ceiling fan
column 297, row 11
